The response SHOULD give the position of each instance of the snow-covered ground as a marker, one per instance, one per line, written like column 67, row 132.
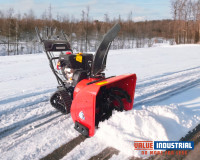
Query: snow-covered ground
column 166, row 107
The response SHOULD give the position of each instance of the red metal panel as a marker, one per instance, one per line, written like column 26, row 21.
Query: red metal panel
column 85, row 97
column 85, row 101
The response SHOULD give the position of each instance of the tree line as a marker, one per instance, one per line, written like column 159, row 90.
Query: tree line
column 85, row 34
column 186, row 20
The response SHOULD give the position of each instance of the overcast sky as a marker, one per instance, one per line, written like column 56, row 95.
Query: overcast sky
column 141, row 9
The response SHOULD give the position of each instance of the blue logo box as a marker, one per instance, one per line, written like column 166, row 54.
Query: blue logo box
column 173, row 145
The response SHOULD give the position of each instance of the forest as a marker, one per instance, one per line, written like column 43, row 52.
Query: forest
column 17, row 31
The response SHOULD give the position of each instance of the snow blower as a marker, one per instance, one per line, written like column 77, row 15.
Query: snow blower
column 84, row 90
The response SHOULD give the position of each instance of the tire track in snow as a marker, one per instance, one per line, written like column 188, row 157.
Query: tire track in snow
column 24, row 124
column 29, row 103
column 21, row 106
column 168, row 74
column 167, row 78
column 166, row 92
column 6, row 131
column 28, row 131
column 24, row 101
column 37, row 126
column 64, row 149
column 21, row 97
column 171, row 91
column 106, row 154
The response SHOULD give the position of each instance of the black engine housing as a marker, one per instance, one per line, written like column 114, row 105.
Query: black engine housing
column 80, row 63
column 70, row 61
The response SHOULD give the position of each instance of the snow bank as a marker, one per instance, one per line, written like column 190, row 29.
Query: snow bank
column 151, row 123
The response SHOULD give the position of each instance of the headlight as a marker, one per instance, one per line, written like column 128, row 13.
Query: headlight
column 81, row 115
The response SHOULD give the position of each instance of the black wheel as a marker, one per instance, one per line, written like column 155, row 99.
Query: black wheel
column 61, row 100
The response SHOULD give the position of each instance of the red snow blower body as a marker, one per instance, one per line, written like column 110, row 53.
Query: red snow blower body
column 83, row 89
column 88, row 97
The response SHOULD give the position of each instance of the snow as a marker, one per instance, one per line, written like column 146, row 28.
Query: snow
column 166, row 107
